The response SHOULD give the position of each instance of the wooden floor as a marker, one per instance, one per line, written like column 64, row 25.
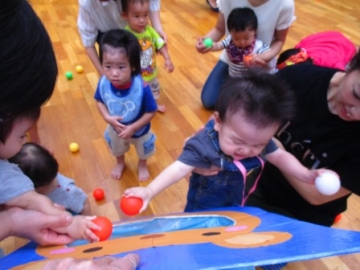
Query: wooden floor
column 71, row 114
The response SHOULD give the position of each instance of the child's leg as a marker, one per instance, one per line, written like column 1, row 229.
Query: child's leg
column 145, row 147
column 155, row 89
column 118, row 148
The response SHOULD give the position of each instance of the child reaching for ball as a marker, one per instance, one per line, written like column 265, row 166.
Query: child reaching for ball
column 125, row 101
column 241, row 46
column 17, row 190
column 249, row 111
column 136, row 13
column 37, row 163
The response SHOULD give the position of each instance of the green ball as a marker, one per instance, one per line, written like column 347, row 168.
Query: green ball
column 69, row 75
column 208, row 42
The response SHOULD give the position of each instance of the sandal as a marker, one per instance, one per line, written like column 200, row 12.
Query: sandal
column 216, row 9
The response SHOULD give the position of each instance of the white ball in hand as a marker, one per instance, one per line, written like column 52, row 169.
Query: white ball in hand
column 327, row 183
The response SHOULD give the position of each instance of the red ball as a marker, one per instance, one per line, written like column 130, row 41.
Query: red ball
column 106, row 228
column 337, row 218
column 98, row 194
column 131, row 205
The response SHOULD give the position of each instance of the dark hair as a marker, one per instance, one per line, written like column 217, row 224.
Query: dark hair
column 122, row 39
column 241, row 19
column 125, row 4
column 285, row 55
column 354, row 63
column 37, row 163
column 260, row 97
column 28, row 67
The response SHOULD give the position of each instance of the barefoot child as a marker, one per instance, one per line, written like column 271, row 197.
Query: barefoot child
column 125, row 101
column 136, row 13
column 16, row 188
column 249, row 111
column 37, row 163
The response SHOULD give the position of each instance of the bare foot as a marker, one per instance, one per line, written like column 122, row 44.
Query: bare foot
column 143, row 171
column 119, row 168
column 161, row 108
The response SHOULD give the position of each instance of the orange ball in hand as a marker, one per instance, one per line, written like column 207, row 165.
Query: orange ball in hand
column 106, row 228
column 247, row 59
column 131, row 205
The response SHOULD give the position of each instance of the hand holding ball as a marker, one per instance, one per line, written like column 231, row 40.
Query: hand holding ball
column 328, row 183
column 208, row 42
column 106, row 228
column 131, row 205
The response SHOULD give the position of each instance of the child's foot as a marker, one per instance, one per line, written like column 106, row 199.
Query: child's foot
column 143, row 171
column 161, row 108
column 116, row 173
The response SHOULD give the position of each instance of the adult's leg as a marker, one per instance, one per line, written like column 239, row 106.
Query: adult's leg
column 212, row 86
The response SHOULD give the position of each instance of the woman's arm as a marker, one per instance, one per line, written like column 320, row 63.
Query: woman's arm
column 156, row 24
column 94, row 58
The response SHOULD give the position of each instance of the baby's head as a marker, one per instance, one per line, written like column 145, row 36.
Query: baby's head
column 13, row 131
column 242, row 25
column 120, row 56
column 249, row 111
column 39, row 165
column 136, row 13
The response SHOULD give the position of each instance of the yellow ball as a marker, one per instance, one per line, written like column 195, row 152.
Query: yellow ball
column 79, row 69
column 74, row 147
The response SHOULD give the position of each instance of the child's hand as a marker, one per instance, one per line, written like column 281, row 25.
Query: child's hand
column 81, row 228
column 254, row 60
column 140, row 192
column 127, row 132
column 169, row 65
column 200, row 46
column 114, row 122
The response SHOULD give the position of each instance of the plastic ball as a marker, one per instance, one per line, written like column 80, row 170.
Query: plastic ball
column 74, row 147
column 208, row 42
column 69, row 75
column 106, row 228
column 131, row 205
column 98, row 194
column 327, row 183
column 247, row 59
column 338, row 218
column 79, row 69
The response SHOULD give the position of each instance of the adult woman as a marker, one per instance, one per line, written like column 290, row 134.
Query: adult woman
column 274, row 19
column 28, row 73
column 98, row 16
column 325, row 134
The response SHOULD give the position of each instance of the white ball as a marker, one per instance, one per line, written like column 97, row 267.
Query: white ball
column 327, row 183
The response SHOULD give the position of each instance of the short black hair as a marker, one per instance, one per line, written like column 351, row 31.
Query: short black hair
column 260, row 97
column 37, row 163
column 126, row 41
column 241, row 19
column 125, row 4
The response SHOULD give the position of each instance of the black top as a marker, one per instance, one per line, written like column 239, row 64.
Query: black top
column 318, row 139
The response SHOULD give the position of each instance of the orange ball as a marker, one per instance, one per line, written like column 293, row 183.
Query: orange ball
column 131, row 205
column 98, row 194
column 337, row 218
column 247, row 59
column 106, row 228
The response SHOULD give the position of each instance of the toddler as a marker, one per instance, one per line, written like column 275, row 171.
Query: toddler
column 41, row 167
column 248, row 113
column 16, row 188
column 125, row 101
column 136, row 13
column 241, row 45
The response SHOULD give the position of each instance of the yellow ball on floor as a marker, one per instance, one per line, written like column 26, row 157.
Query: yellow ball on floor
column 74, row 147
column 79, row 69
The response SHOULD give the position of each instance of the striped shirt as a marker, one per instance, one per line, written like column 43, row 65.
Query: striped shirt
column 94, row 16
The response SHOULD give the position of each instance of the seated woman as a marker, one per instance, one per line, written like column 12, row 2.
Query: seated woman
column 326, row 49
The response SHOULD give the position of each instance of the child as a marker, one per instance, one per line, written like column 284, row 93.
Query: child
column 17, row 190
column 136, row 13
column 241, row 45
column 249, row 111
column 125, row 101
column 37, row 163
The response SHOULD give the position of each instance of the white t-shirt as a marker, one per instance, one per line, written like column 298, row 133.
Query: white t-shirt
column 272, row 15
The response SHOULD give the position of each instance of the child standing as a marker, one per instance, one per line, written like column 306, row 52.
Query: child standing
column 125, row 101
column 37, row 163
column 242, row 47
column 17, row 190
column 249, row 111
column 136, row 13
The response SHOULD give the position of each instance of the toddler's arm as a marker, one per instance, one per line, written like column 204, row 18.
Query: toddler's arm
column 168, row 64
column 129, row 130
column 111, row 120
column 172, row 174
column 289, row 165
